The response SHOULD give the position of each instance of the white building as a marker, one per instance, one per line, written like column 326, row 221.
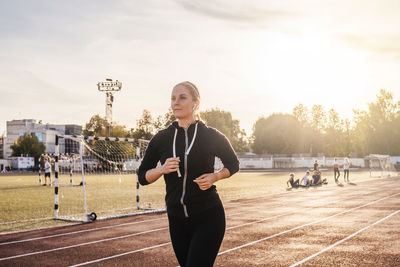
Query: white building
column 2, row 139
column 46, row 134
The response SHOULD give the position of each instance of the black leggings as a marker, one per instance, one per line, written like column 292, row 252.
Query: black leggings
column 295, row 183
column 196, row 240
column 346, row 172
column 336, row 170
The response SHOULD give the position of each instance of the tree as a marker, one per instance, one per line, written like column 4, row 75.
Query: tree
column 301, row 113
column 361, row 130
column 377, row 130
column 163, row 122
column 333, row 120
column 28, row 144
column 97, row 126
column 144, row 127
column 119, row 131
column 222, row 121
column 318, row 118
column 348, row 143
column 384, row 109
column 310, row 136
column 277, row 134
column 334, row 137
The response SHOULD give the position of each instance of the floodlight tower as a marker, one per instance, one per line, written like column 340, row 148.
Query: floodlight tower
column 109, row 87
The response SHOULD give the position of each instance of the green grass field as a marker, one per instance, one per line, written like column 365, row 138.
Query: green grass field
column 24, row 204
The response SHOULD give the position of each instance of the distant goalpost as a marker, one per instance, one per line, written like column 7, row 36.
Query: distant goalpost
column 96, row 179
column 380, row 166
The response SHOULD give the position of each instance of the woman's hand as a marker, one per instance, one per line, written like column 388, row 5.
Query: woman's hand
column 170, row 165
column 206, row 180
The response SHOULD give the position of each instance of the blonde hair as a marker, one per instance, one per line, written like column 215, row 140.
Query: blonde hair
column 194, row 92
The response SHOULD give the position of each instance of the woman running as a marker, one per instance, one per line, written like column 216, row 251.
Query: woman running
column 187, row 151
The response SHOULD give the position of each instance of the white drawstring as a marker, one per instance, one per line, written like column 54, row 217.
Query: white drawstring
column 174, row 151
column 194, row 137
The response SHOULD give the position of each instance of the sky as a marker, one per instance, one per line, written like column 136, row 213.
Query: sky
column 251, row 58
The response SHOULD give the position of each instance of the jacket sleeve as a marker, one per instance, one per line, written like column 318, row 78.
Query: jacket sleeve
column 225, row 152
column 150, row 159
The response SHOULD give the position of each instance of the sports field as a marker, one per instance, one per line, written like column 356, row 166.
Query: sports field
column 354, row 224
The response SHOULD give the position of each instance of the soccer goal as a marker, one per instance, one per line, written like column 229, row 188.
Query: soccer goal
column 380, row 166
column 95, row 178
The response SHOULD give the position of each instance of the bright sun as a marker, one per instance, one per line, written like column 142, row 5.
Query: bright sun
column 309, row 69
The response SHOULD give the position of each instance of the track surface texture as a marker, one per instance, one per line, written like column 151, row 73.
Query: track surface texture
column 349, row 225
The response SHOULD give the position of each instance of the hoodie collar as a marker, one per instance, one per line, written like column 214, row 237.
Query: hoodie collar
column 176, row 125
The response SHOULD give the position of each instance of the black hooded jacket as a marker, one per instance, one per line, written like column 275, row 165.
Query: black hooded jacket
column 183, row 196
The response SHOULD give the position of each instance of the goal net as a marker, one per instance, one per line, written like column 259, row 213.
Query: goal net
column 380, row 166
column 95, row 178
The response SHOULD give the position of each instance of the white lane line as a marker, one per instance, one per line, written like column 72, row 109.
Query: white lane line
column 82, row 244
column 248, row 244
column 96, row 229
column 78, row 232
column 122, row 254
column 125, row 236
column 117, row 225
column 262, row 220
column 164, row 244
column 304, row 225
column 99, row 228
column 344, row 239
column 149, row 231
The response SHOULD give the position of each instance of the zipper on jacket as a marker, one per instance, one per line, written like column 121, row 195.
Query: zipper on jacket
column 185, row 175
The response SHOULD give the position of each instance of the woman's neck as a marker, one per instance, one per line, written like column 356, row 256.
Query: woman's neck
column 185, row 123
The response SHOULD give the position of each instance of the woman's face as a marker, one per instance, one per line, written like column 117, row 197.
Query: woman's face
column 182, row 102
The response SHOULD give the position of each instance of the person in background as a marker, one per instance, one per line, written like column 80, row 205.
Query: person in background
column 315, row 165
column 317, row 180
column 293, row 183
column 336, row 170
column 346, row 169
column 47, row 171
column 306, row 181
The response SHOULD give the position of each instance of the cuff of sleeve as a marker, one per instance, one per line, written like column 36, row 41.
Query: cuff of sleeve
column 233, row 168
column 142, row 178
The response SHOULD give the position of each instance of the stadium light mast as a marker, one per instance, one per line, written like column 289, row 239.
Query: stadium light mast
column 109, row 87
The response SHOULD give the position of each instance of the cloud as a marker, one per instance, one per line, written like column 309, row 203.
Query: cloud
column 235, row 12
column 384, row 46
